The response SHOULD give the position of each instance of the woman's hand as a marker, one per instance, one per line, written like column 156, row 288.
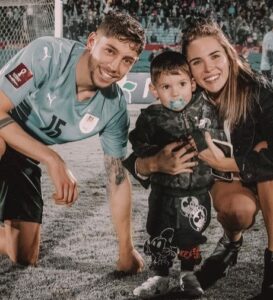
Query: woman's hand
column 213, row 154
column 260, row 146
column 215, row 157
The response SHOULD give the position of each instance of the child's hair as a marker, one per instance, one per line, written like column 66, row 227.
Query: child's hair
column 234, row 101
column 125, row 28
column 169, row 62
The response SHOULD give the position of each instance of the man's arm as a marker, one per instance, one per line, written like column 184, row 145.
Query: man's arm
column 18, row 139
column 119, row 193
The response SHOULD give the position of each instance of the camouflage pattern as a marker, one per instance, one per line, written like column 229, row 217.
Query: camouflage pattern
column 179, row 205
column 158, row 126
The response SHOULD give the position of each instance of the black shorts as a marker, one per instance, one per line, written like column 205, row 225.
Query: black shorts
column 186, row 215
column 20, row 188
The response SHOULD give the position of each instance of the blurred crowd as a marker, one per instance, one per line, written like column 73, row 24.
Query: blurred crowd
column 244, row 21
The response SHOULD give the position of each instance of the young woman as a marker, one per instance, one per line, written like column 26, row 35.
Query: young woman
column 245, row 104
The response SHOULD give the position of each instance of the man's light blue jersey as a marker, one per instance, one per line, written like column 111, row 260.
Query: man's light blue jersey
column 41, row 82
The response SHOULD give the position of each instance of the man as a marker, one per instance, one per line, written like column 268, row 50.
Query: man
column 267, row 54
column 58, row 91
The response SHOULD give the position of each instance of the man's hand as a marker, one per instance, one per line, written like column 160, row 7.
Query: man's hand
column 130, row 263
column 65, row 183
column 175, row 158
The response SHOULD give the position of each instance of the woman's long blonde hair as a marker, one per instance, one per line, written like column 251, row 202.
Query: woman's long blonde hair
column 234, row 100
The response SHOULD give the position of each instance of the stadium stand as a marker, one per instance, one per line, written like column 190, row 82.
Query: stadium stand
column 244, row 22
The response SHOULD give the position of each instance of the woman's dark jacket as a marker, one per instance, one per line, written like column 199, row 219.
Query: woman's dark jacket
column 258, row 126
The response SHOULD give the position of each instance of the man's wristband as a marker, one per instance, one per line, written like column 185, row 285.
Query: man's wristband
column 6, row 121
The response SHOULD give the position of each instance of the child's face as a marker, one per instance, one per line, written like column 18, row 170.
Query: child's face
column 173, row 90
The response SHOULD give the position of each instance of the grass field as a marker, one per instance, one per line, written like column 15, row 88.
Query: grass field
column 79, row 249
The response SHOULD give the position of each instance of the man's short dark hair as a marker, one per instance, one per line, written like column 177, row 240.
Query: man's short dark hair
column 125, row 28
column 170, row 62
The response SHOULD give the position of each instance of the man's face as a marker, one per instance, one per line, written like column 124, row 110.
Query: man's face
column 109, row 59
column 173, row 90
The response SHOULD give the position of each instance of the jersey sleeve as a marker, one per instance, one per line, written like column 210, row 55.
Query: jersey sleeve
column 26, row 71
column 114, row 137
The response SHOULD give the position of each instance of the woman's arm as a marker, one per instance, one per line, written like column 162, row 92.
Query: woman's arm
column 216, row 159
column 257, row 166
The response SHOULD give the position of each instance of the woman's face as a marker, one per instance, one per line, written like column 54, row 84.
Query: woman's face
column 209, row 64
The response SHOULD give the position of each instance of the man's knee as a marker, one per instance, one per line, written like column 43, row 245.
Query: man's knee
column 26, row 260
column 23, row 240
column 26, row 257
column 23, row 256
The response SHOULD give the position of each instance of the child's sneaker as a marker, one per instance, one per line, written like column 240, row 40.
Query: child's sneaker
column 153, row 287
column 190, row 285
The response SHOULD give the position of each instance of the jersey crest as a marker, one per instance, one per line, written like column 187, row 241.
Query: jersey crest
column 88, row 123
column 18, row 76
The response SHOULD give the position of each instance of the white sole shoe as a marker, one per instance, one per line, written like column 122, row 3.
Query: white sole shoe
column 152, row 287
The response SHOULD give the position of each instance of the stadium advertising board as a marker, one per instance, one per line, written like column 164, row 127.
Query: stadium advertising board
column 136, row 88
